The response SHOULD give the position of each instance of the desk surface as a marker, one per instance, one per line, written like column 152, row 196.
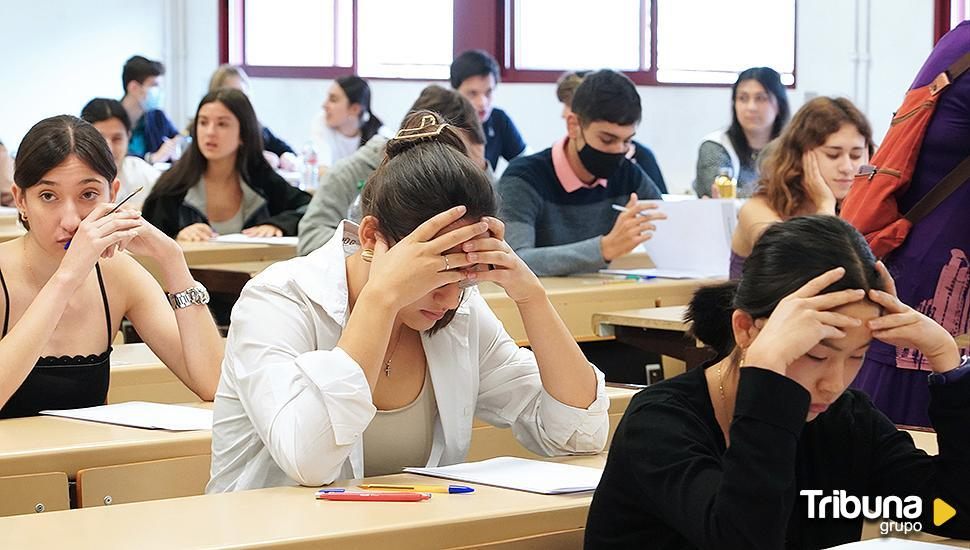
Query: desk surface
column 662, row 318
column 290, row 517
column 52, row 444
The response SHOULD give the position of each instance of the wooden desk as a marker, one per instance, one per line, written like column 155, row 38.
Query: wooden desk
column 138, row 375
column 206, row 253
column 660, row 330
column 9, row 232
column 290, row 517
column 51, row 444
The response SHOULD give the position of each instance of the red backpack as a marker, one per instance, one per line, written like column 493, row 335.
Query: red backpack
column 871, row 205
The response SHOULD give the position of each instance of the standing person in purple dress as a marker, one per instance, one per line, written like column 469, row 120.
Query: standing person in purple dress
column 931, row 267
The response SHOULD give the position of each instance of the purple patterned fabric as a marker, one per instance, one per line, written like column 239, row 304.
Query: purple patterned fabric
column 931, row 267
column 737, row 264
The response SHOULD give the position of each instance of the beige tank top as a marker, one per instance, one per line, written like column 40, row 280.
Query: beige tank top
column 401, row 437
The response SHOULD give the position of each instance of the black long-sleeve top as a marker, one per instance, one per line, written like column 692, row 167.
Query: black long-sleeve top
column 670, row 483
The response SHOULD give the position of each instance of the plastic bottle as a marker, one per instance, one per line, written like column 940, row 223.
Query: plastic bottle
column 311, row 172
column 725, row 185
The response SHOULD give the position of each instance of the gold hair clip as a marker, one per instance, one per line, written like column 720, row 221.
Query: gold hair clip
column 423, row 129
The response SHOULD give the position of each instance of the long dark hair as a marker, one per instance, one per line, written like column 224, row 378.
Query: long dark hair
column 771, row 81
column 788, row 255
column 187, row 171
column 51, row 141
column 358, row 92
column 423, row 176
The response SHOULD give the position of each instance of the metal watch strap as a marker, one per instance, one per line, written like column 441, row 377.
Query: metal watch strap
column 196, row 295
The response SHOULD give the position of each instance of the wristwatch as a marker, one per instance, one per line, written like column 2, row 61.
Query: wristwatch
column 196, row 295
column 950, row 376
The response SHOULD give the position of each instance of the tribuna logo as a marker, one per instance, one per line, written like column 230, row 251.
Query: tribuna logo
column 841, row 505
column 898, row 514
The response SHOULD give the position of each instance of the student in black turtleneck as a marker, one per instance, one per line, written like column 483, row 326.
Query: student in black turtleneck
column 716, row 458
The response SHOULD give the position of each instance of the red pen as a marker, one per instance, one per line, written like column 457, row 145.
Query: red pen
column 374, row 497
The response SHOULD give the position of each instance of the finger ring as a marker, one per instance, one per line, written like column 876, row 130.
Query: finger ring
column 447, row 265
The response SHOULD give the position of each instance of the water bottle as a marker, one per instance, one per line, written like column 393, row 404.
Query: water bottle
column 311, row 173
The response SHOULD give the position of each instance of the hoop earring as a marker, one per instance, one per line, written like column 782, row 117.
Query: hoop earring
column 367, row 255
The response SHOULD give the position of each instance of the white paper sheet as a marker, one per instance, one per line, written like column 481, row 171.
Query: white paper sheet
column 891, row 544
column 140, row 414
column 694, row 241
column 656, row 273
column 8, row 211
column 522, row 474
column 239, row 238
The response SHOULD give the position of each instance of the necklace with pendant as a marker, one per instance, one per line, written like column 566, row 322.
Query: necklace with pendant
column 387, row 363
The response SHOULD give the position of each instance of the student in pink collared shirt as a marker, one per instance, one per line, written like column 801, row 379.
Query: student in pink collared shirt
column 558, row 204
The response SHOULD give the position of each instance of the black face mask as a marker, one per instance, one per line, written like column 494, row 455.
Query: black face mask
column 599, row 163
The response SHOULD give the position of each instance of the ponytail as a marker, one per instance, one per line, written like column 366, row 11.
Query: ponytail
column 710, row 313
column 370, row 126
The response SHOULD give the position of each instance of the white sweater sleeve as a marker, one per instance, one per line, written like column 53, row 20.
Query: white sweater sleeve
column 308, row 406
column 511, row 395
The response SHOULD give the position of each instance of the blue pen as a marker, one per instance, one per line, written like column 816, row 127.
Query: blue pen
column 325, row 491
column 117, row 206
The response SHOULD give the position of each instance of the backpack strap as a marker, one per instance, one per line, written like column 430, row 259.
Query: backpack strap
column 951, row 73
column 940, row 192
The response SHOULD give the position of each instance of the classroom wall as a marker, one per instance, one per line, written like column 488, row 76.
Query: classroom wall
column 58, row 54
column 81, row 58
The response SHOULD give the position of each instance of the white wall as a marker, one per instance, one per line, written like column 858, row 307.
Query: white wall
column 59, row 54
column 80, row 52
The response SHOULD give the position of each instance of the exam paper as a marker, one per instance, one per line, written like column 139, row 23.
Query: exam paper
column 522, row 474
column 140, row 414
column 239, row 238
column 693, row 242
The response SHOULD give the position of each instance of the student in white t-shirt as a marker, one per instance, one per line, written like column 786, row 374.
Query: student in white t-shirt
column 346, row 122
column 111, row 119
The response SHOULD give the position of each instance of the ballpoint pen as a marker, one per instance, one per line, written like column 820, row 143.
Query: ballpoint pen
column 117, row 206
column 373, row 497
column 453, row 489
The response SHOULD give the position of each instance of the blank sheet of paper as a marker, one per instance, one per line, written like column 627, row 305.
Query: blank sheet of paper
column 534, row 476
column 140, row 414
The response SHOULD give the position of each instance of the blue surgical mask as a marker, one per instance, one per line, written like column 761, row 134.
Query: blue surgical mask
column 153, row 99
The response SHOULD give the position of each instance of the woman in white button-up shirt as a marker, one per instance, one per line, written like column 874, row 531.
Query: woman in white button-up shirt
column 321, row 346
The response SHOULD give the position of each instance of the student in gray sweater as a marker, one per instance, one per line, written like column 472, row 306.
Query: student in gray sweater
column 341, row 184
column 557, row 204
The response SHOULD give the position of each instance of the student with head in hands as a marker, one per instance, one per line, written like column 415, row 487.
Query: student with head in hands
column 807, row 170
column 109, row 117
column 639, row 154
column 153, row 136
column 67, row 285
column 558, row 204
column 233, row 76
column 475, row 75
column 759, row 111
column 719, row 457
column 223, row 184
column 346, row 123
column 377, row 344
column 340, row 186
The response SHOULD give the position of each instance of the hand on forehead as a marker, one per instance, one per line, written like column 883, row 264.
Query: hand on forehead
column 463, row 222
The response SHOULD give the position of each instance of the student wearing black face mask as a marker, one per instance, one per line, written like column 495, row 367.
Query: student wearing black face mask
column 558, row 204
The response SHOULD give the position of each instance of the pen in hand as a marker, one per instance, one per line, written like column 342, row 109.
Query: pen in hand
column 117, row 206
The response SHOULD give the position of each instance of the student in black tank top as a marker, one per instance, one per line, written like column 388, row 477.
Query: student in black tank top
column 65, row 188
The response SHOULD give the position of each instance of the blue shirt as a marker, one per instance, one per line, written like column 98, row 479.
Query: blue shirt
column 502, row 138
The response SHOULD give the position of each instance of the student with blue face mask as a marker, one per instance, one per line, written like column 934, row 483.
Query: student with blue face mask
column 152, row 131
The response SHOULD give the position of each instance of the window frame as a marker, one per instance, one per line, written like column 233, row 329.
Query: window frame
column 484, row 24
